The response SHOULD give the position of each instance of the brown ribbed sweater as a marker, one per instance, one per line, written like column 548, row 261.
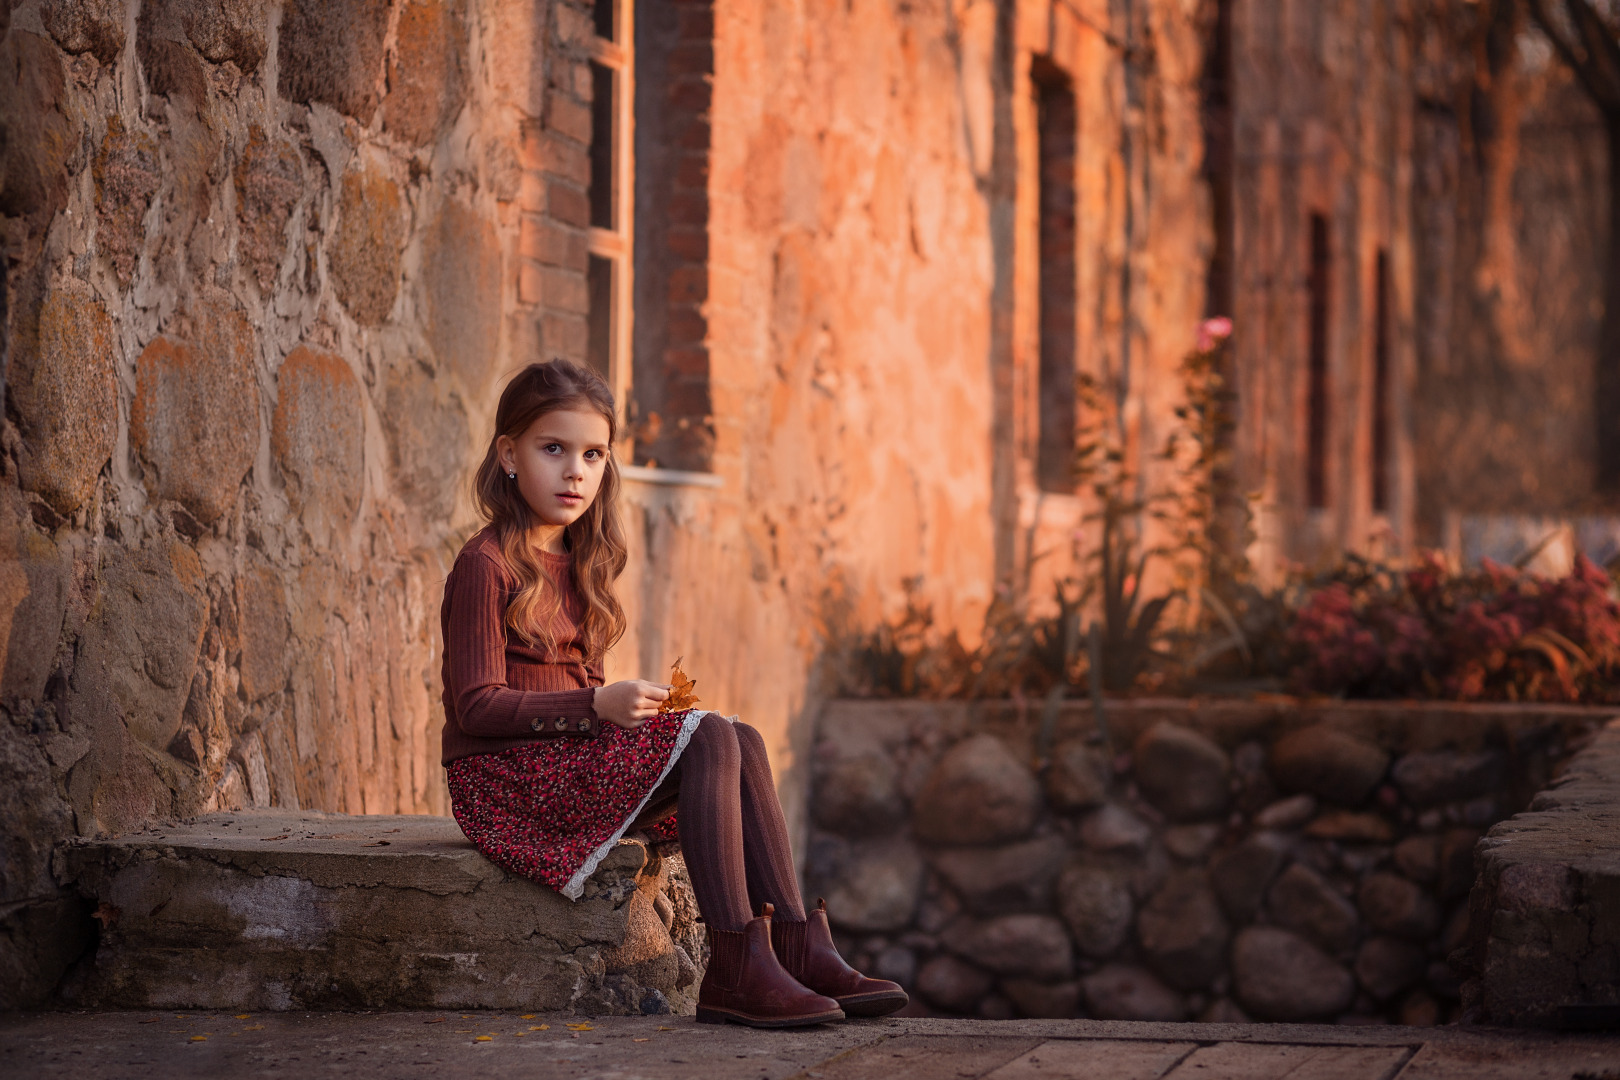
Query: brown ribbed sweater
column 500, row 692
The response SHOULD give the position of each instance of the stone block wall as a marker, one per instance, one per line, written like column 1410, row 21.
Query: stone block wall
column 266, row 264
column 1218, row 861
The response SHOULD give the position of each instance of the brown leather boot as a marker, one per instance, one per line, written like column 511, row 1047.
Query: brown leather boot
column 806, row 949
column 746, row 985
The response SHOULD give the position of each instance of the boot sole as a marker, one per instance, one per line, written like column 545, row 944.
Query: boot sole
column 708, row 1014
column 879, row 1004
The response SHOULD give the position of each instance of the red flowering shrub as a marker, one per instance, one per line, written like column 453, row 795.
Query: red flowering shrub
column 1495, row 634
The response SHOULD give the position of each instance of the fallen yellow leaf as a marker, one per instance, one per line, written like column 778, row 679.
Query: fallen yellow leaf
column 528, row 1016
column 482, row 1038
column 199, row 1038
column 681, row 694
column 666, row 1029
column 241, row 1016
column 580, row 1027
column 464, row 1016
column 255, row 1027
column 641, row 1040
column 540, row 1027
column 518, row 1034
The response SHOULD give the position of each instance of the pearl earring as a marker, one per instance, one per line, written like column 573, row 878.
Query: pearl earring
column 511, row 476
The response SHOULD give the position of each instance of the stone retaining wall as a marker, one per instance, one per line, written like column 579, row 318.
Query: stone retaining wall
column 1221, row 861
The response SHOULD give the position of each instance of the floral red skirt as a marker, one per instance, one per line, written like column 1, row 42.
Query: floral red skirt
column 550, row 810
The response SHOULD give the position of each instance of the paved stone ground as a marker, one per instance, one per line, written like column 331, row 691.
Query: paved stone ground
column 87, row 1045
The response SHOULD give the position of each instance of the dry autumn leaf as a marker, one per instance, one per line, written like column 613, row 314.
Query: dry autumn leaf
column 681, row 695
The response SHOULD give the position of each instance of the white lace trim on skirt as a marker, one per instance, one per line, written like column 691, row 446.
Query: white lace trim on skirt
column 576, row 884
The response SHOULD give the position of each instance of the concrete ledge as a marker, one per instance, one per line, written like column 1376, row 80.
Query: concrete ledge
column 1544, row 914
column 283, row 910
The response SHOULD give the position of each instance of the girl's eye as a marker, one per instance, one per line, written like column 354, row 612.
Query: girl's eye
column 552, row 448
column 594, row 455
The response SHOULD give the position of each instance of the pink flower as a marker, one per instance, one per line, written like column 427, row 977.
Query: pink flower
column 1211, row 332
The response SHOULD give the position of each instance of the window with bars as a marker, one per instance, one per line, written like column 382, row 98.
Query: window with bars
column 609, row 264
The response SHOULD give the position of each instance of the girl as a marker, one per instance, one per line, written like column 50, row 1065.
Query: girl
column 548, row 767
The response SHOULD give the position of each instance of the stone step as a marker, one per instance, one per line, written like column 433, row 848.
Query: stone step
column 273, row 910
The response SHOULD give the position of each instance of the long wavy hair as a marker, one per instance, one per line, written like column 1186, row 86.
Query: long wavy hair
column 596, row 540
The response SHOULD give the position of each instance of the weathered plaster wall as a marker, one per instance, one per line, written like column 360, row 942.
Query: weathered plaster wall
column 1144, row 236
column 1511, row 175
column 871, row 328
column 1452, row 138
column 1322, row 125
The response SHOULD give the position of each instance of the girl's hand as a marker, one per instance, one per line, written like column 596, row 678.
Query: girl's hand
column 630, row 702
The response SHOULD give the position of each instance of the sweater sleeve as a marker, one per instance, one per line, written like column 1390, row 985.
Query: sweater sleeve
column 475, row 669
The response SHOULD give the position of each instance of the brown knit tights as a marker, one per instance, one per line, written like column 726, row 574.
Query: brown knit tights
column 732, row 832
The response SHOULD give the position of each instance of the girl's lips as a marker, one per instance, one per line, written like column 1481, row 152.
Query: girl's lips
column 569, row 496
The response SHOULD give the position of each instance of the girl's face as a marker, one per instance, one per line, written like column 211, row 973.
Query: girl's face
column 559, row 463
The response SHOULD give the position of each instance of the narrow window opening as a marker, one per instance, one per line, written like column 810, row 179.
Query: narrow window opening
column 607, row 209
column 603, row 143
column 1319, row 285
column 1380, row 404
column 599, row 288
column 1219, row 157
column 1055, row 113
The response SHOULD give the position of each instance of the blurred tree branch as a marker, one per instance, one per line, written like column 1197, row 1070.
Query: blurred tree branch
column 1587, row 43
